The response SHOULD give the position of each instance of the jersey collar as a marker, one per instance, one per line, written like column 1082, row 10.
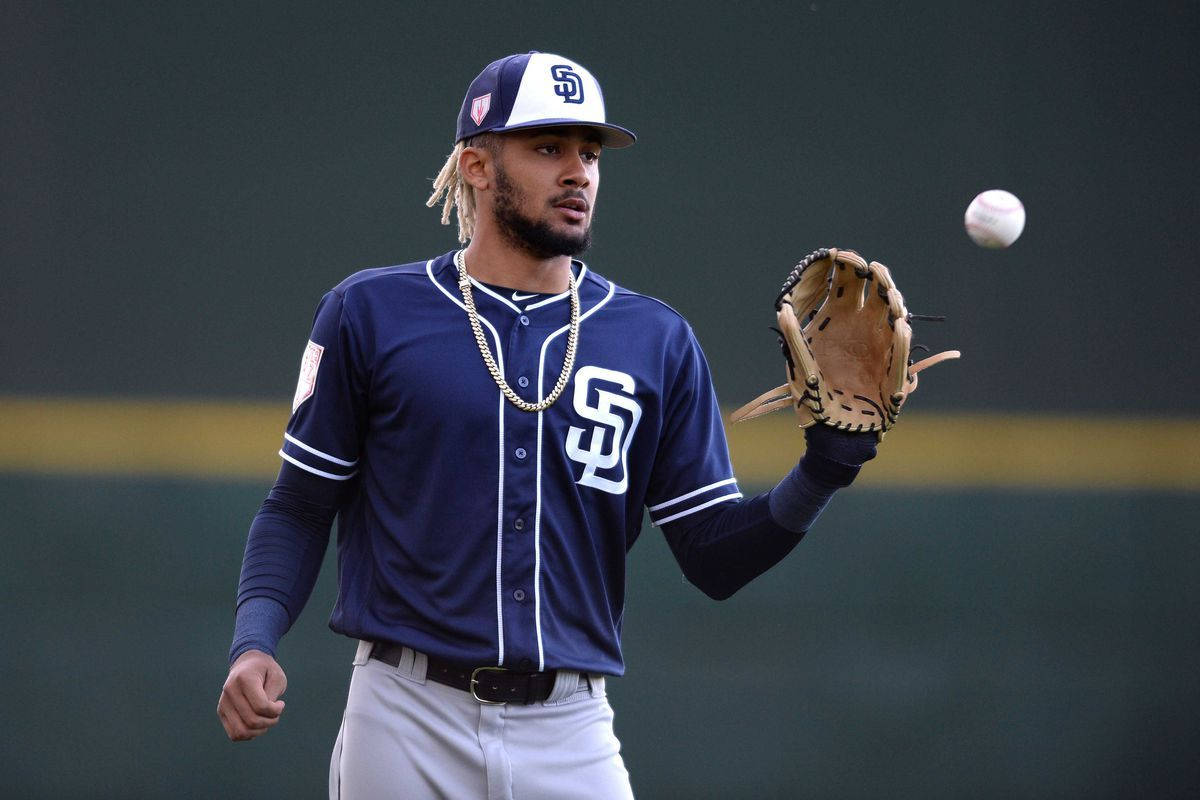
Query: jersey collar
column 592, row 289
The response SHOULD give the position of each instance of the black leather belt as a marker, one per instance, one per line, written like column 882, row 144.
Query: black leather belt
column 491, row 685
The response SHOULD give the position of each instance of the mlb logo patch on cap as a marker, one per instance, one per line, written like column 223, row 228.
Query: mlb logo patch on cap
column 536, row 90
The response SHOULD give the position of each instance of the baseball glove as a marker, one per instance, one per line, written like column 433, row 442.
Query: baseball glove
column 846, row 336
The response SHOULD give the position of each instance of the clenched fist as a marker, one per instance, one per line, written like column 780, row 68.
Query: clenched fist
column 250, row 703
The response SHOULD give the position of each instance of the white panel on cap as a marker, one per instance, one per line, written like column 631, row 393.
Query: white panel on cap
column 537, row 100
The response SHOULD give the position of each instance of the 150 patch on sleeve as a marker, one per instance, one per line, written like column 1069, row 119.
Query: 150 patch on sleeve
column 308, row 374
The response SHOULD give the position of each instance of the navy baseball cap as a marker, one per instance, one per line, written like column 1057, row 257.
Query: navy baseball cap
column 536, row 90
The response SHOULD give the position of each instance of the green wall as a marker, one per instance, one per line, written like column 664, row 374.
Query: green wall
column 984, row 644
column 182, row 181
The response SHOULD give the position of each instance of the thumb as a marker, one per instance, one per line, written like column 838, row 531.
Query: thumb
column 275, row 683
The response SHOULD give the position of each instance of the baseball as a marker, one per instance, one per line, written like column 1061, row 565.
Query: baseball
column 994, row 219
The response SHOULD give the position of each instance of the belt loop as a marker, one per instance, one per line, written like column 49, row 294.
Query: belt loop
column 412, row 664
column 420, row 665
column 566, row 683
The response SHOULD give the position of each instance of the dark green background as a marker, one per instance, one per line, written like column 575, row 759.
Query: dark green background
column 182, row 181
column 179, row 183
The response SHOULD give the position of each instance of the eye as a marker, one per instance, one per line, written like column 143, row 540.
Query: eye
column 590, row 156
column 549, row 149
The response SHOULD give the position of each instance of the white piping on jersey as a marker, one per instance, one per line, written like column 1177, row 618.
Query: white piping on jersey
column 510, row 304
column 499, row 297
column 500, row 486
column 693, row 510
column 537, row 506
column 578, row 281
column 537, row 528
column 314, row 470
column 316, row 452
column 689, row 495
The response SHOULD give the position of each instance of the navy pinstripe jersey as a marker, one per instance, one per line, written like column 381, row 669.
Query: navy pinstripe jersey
column 478, row 532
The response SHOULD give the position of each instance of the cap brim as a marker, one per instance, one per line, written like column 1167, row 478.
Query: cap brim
column 610, row 135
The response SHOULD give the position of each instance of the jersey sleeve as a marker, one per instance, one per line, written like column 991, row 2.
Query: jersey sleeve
column 692, row 470
column 324, row 434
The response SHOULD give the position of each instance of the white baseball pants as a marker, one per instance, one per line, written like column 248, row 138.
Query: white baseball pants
column 405, row 737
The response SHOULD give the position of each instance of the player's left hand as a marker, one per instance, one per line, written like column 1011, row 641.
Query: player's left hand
column 250, row 704
column 847, row 339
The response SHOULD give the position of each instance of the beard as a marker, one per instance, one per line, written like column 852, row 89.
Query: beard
column 536, row 237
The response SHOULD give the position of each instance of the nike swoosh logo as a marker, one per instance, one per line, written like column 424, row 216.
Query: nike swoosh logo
column 520, row 297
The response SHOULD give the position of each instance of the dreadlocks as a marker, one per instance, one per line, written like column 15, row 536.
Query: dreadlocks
column 451, row 190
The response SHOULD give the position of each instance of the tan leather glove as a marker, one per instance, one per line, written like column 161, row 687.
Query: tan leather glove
column 846, row 336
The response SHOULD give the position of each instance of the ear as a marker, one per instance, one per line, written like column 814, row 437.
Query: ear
column 475, row 167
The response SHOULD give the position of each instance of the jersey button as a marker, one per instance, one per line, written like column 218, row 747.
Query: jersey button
column 521, row 452
column 519, row 524
column 519, row 595
column 522, row 381
column 524, row 320
column 524, row 665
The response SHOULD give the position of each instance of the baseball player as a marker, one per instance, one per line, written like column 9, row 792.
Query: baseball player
column 489, row 426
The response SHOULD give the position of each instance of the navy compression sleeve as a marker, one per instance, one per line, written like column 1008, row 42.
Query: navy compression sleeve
column 284, row 550
column 831, row 461
column 722, row 550
column 260, row 623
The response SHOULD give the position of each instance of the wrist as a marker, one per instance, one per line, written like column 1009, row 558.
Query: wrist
column 260, row 624
column 825, row 471
column 251, row 653
column 844, row 447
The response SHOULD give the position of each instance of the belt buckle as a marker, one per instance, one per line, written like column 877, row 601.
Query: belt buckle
column 475, row 682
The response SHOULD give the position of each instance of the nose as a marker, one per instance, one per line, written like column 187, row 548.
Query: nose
column 575, row 173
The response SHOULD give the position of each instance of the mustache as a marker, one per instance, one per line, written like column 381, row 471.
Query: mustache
column 575, row 194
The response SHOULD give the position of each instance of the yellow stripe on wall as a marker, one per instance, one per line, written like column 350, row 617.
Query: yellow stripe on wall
column 239, row 440
column 141, row 437
column 996, row 450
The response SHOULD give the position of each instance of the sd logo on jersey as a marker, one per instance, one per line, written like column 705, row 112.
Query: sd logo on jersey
column 609, row 440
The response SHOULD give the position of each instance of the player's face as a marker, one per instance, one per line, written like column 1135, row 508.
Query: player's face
column 546, row 182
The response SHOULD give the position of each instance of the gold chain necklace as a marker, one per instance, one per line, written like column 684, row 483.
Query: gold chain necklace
column 464, row 286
